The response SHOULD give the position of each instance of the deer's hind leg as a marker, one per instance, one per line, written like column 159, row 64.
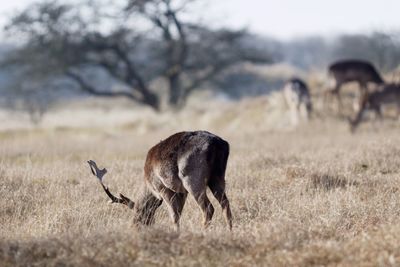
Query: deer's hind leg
column 339, row 102
column 198, row 191
column 194, row 172
column 175, row 202
column 217, row 187
column 398, row 111
column 194, row 176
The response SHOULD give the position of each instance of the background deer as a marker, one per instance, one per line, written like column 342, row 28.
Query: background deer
column 346, row 71
column 186, row 162
column 386, row 94
column 298, row 99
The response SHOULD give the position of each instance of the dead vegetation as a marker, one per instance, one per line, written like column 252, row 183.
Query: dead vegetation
column 316, row 196
column 328, row 181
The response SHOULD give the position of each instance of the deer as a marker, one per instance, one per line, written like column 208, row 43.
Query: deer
column 184, row 163
column 352, row 70
column 297, row 96
column 386, row 94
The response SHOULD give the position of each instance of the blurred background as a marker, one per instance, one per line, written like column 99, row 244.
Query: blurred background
column 149, row 64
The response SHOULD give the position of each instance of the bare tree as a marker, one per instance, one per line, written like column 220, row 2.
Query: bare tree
column 380, row 48
column 131, row 44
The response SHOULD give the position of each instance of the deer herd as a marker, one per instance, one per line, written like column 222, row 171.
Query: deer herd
column 187, row 163
column 373, row 91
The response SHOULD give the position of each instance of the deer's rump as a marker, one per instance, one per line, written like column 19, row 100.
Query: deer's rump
column 189, row 153
column 218, row 157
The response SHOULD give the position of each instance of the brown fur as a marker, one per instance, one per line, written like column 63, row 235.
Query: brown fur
column 184, row 163
column 189, row 162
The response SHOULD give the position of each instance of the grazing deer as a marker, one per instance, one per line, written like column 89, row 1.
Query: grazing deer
column 298, row 99
column 386, row 94
column 345, row 71
column 186, row 162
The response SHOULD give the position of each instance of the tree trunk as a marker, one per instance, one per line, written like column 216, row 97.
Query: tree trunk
column 175, row 91
column 151, row 100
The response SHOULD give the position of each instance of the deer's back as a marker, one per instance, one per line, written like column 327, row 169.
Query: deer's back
column 354, row 70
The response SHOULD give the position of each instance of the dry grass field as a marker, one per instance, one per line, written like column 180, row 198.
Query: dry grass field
column 313, row 196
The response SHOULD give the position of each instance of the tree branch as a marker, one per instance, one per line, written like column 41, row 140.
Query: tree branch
column 211, row 74
column 179, row 64
column 133, row 76
column 165, row 29
column 85, row 86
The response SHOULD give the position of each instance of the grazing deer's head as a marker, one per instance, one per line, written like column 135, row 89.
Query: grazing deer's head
column 100, row 174
column 386, row 94
column 144, row 209
column 186, row 162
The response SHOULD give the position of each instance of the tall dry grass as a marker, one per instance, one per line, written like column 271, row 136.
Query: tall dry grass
column 313, row 196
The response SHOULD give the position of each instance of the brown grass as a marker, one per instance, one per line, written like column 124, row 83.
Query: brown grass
column 314, row 196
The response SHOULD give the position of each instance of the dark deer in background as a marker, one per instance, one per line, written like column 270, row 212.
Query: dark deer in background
column 346, row 71
column 298, row 99
column 186, row 162
column 386, row 94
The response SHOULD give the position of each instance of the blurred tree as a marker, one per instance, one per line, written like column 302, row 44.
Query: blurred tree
column 307, row 52
column 98, row 44
column 381, row 48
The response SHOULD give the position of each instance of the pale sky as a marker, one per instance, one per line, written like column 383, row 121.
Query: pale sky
column 286, row 19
